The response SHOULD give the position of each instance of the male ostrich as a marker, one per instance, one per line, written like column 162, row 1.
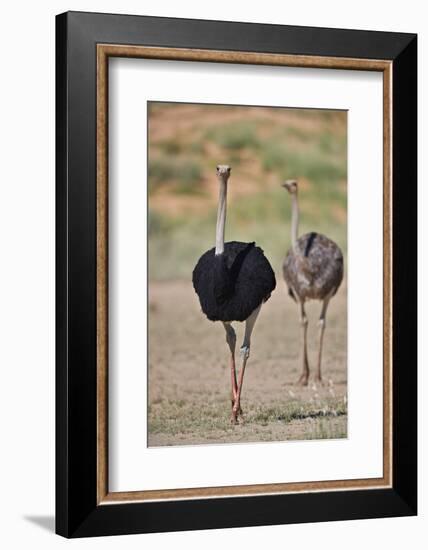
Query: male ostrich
column 232, row 281
column 313, row 270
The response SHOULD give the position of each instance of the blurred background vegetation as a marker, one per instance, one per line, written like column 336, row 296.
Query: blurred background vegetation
column 264, row 146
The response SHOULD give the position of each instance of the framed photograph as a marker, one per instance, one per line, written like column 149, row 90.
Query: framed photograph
column 236, row 274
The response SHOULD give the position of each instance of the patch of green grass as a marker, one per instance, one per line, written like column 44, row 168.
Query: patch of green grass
column 273, row 155
column 183, row 417
column 196, row 147
column 296, row 410
column 180, row 417
column 234, row 136
column 157, row 224
column 184, row 174
column 327, row 430
column 297, row 133
column 330, row 144
column 160, row 171
column 174, row 251
column 171, row 146
column 188, row 178
column 309, row 162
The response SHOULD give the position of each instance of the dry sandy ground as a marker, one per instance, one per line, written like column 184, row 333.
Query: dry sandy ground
column 189, row 377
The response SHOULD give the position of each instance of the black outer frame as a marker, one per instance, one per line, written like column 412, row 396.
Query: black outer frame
column 77, row 513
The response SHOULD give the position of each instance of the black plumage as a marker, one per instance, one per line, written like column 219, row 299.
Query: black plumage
column 231, row 285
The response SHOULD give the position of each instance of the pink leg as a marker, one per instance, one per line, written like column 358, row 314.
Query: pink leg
column 245, row 353
column 321, row 324
column 231, row 341
column 303, row 380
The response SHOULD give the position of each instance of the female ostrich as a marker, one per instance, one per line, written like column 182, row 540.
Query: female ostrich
column 313, row 270
column 232, row 281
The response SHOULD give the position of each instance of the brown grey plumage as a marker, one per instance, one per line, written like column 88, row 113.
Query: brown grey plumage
column 313, row 270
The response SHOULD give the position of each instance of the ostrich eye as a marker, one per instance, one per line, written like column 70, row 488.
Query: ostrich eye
column 228, row 170
column 217, row 168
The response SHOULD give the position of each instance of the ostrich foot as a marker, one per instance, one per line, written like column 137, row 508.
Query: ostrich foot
column 237, row 416
column 239, row 410
column 234, row 418
column 303, row 380
column 319, row 380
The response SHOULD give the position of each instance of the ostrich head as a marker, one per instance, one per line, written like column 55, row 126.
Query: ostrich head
column 291, row 186
column 223, row 172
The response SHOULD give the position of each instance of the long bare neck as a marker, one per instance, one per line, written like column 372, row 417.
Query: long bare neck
column 221, row 217
column 294, row 220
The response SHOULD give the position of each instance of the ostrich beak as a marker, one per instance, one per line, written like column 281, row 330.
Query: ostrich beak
column 289, row 184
